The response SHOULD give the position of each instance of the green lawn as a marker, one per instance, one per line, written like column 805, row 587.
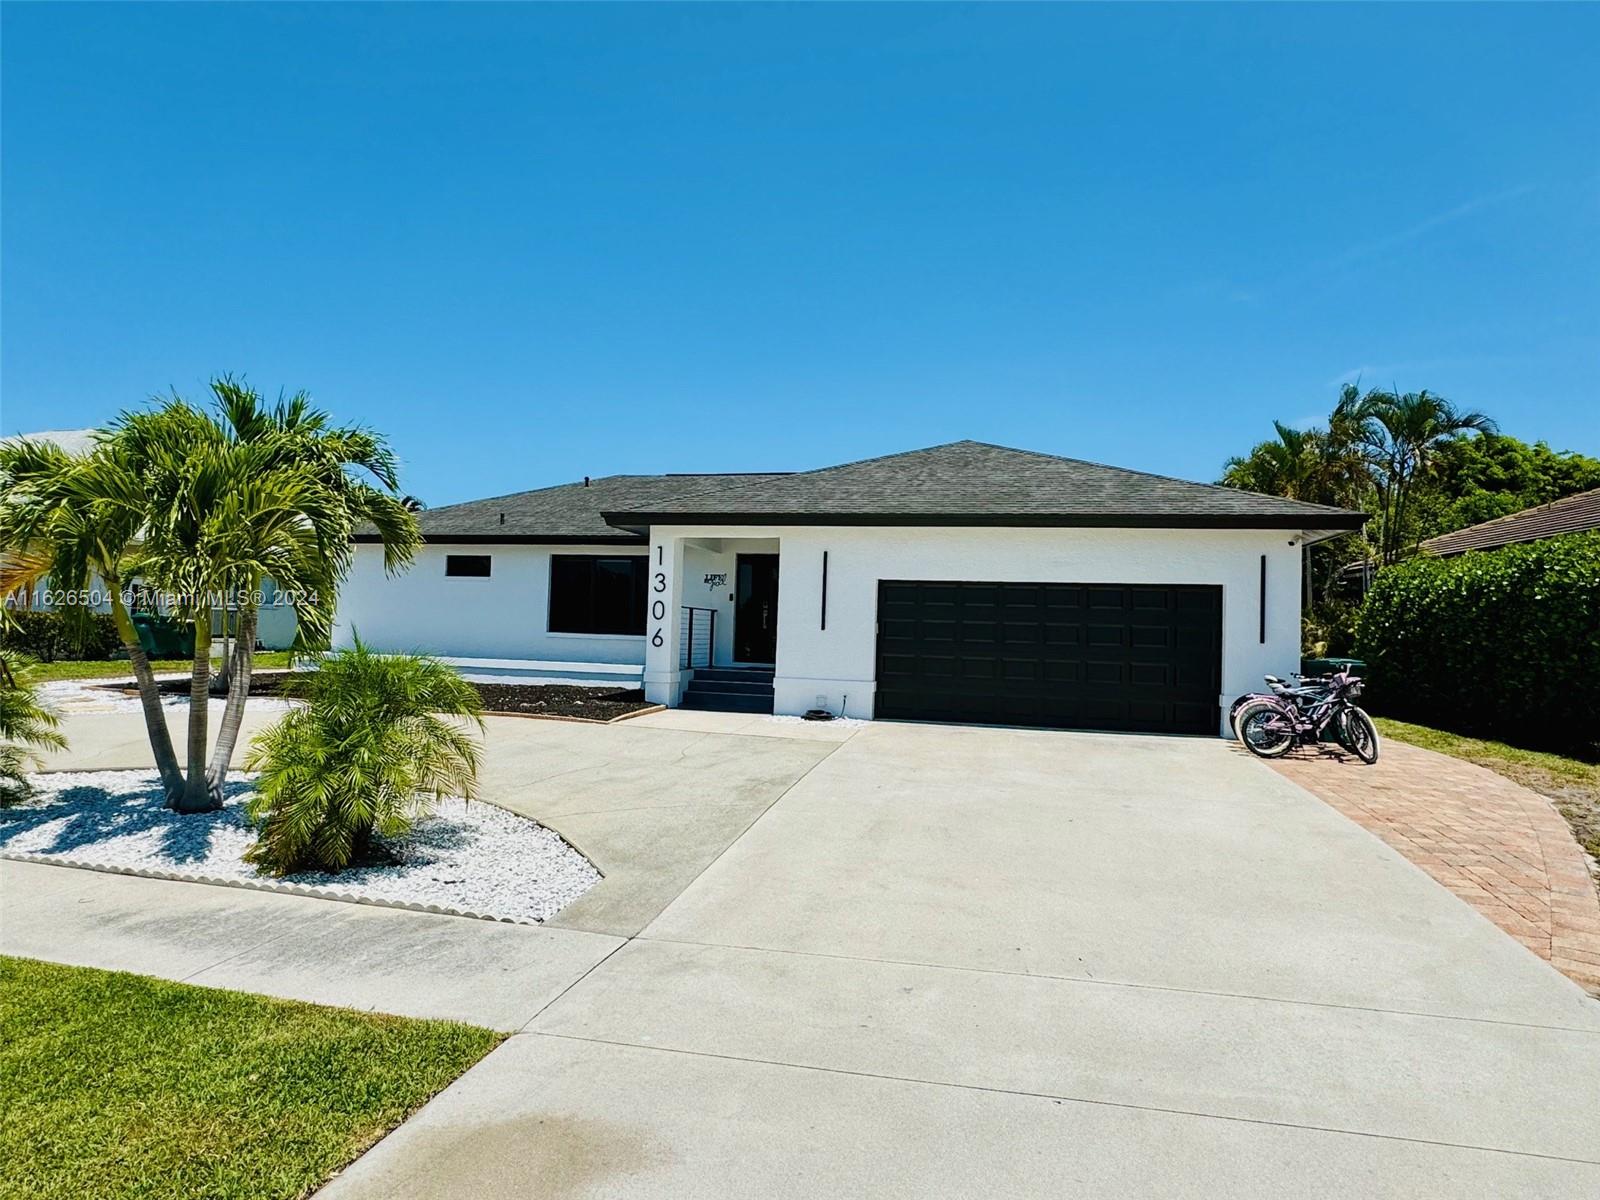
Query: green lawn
column 1574, row 785
column 116, row 1085
column 112, row 668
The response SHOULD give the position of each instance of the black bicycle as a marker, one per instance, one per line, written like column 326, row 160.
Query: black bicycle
column 1269, row 726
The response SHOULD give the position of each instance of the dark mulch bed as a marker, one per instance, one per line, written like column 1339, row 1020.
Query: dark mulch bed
column 534, row 699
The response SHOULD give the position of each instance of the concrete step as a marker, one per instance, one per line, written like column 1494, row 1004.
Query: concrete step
column 734, row 674
column 726, row 702
column 746, row 687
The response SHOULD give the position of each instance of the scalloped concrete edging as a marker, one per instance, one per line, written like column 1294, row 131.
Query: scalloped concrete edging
column 291, row 889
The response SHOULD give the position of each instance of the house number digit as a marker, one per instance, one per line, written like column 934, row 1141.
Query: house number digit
column 658, row 610
column 661, row 581
column 657, row 639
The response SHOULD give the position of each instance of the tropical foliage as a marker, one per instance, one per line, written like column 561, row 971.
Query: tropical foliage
column 379, row 741
column 200, row 506
column 26, row 726
column 1418, row 465
column 48, row 636
column 1503, row 643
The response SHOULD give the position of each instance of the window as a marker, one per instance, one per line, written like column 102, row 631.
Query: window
column 474, row 566
column 590, row 594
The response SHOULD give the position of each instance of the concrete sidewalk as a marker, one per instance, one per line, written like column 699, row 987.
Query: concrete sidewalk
column 301, row 948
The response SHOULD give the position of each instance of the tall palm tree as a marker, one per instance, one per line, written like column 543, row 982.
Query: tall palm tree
column 1399, row 436
column 79, row 519
column 256, row 491
column 201, row 507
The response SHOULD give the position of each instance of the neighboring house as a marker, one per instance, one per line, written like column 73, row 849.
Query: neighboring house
column 1572, row 514
column 275, row 624
column 965, row 582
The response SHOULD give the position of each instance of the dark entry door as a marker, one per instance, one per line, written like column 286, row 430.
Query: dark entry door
column 755, row 612
column 1067, row 655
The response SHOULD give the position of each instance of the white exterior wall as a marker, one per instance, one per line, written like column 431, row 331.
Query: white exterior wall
column 840, row 661
column 506, row 616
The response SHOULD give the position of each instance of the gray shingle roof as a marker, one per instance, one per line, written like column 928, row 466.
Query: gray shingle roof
column 978, row 483
column 568, row 512
column 1572, row 514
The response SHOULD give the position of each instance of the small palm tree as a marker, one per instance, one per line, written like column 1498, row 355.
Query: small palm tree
column 381, row 739
column 24, row 720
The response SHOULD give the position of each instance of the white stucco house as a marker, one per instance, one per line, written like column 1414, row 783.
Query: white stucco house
column 964, row 582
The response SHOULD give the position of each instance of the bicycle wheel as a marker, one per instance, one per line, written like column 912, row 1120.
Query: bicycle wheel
column 1358, row 734
column 1264, row 730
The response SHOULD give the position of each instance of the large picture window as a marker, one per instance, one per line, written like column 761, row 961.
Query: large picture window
column 591, row 594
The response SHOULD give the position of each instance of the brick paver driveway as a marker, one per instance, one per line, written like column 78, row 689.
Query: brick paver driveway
column 1499, row 846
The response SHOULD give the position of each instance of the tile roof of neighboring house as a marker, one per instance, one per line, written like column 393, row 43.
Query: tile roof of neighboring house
column 1572, row 514
column 568, row 512
column 73, row 441
column 978, row 483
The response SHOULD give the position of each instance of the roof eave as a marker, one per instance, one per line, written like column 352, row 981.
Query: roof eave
column 1329, row 524
column 518, row 539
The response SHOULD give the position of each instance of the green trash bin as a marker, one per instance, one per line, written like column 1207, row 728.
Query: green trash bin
column 1327, row 666
column 163, row 637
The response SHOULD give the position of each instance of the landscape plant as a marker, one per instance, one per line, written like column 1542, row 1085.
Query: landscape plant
column 27, row 726
column 1502, row 643
column 380, row 740
column 201, row 506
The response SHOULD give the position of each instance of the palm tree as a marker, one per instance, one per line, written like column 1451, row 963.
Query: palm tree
column 78, row 519
column 1399, row 437
column 202, row 507
column 256, row 491
column 24, row 723
column 381, row 739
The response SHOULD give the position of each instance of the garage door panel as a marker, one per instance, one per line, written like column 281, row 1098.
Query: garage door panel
column 1098, row 656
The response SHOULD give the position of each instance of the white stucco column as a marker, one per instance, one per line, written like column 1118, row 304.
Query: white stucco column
column 663, row 680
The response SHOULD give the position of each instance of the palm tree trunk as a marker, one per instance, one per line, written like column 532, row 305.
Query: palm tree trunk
column 196, row 795
column 155, row 717
column 222, row 681
column 239, row 668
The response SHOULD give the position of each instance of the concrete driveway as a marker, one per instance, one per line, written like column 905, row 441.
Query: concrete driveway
column 982, row 962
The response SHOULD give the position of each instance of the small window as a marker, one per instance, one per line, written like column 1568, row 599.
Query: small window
column 473, row 566
column 590, row 594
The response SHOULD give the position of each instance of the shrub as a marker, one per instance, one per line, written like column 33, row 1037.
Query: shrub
column 379, row 741
column 26, row 726
column 1504, row 643
column 48, row 635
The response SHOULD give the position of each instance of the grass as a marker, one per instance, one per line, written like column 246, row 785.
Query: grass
column 113, row 668
column 115, row 1085
column 1572, row 784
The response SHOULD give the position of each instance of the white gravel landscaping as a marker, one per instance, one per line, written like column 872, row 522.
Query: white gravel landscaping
column 474, row 859
column 68, row 696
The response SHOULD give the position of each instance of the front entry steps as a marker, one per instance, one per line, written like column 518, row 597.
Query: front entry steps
column 729, row 689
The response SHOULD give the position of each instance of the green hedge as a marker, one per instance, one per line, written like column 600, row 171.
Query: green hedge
column 47, row 636
column 1501, row 643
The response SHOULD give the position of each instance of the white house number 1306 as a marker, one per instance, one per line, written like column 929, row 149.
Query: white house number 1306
column 658, row 606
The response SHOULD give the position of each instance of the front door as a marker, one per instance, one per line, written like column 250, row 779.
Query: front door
column 755, row 612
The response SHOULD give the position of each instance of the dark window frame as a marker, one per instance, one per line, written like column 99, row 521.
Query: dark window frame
column 452, row 560
column 599, row 611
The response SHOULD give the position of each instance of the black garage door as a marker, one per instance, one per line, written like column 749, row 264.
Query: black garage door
column 1064, row 655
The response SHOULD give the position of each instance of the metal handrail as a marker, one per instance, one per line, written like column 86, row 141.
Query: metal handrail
column 687, row 658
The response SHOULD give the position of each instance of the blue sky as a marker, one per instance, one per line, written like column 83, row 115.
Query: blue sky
column 535, row 242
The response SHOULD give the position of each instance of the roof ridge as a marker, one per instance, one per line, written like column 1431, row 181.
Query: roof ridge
column 1519, row 514
column 551, row 487
column 814, row 470
column 1089, row 462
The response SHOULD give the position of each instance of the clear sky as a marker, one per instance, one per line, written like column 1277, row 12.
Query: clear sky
column 535, row 242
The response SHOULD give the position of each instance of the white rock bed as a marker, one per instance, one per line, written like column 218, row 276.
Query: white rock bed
column 474, row 859
column 68, row 696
